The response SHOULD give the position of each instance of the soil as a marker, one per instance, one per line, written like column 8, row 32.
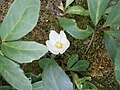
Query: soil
column 101, row 68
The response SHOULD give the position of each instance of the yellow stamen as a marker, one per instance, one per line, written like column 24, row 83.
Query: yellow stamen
column 59, row 45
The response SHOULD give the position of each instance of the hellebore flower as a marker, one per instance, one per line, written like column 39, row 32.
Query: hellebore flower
column 57, row 43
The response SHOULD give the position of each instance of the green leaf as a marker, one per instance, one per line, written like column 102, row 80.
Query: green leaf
column 114, row 16
column 73, row 59
column 110, row 45
column 108, row 10
column 38, row 86
column 44, row 62
column 77, row 10
column 68, row 2
column 14, row 75
column 89, row 85
column 115, row 26
column 70, row 26
column 20, row 19
column 116, row 34
column 6, row 88
column 81, row 65
column 54, row 78
column 34, row 78
column 97, row 9
column 117, row 65
column 85, row 84
column 23, row 51
column 113, row 49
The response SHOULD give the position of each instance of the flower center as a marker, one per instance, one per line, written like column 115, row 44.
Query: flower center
column 59, row 45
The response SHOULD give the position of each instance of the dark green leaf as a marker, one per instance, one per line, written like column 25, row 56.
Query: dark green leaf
column 77, row 10
column 114, row 16
column 73, row 59
column 117, row 65
column 13, row 74
column 54, row 78
column 23, row 51
column 20, row 19
column 70, row 26
column 97, row 9
column 81, row 65
column 110, row 45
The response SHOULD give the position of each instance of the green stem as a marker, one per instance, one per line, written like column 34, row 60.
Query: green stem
column 90, row 42
column 74, row 77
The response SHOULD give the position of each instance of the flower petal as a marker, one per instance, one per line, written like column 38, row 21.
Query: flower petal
column 62, row 35
column 66, row 44
column 54, row 36
column 52, row 48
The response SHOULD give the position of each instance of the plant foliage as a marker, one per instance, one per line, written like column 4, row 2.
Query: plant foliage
column 74, row 64
column 70, row 26
column 20, row 19
column 53, row 77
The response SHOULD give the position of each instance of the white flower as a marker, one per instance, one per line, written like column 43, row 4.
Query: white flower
column 57, row 43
